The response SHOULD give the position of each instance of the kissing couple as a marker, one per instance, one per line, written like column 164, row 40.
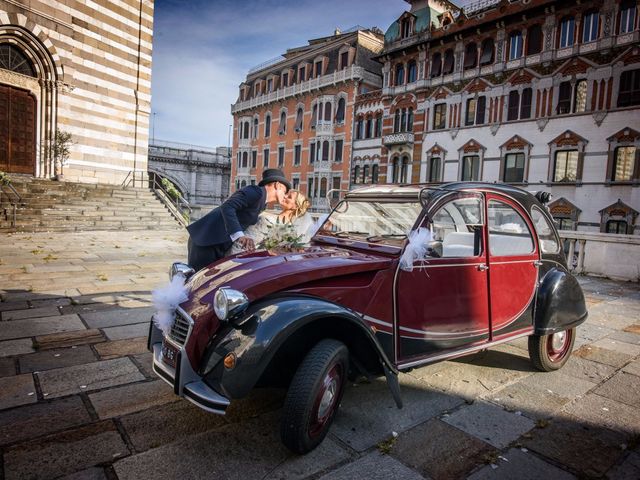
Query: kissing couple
column 240, row 223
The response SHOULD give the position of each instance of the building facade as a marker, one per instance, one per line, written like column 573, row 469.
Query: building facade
column 83, row 68
column 201, row 174
column 537, row 93
column 296, row 113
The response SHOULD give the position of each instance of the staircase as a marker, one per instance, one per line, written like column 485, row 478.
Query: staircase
column 52, row 206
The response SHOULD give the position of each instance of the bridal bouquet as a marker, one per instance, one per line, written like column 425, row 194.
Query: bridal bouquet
column 281, row 237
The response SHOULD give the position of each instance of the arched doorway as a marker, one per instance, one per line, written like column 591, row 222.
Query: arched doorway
column 17, row 116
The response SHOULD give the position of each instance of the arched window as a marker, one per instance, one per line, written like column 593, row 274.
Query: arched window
column 246, row 130
column 327, row 111
column 245, row 159
column 359, row 128
column 396, row 170
column 411, row 72
column 243, row 184
column 255, row 128
column 374, row 174
column 400, row 74
column 267, row 125
column 404, row 172
column 590, row 24
column 299, row 115
column 340, row 110
column 378, row 130
column 325, row 151
column 323, row 187
column 534, row 40
column 410, row 120
column 447, row 68
column 627, row 16
column 368, row 132
column 282, row 128
column 515, row 45
column 365, row 173
column 487, row 52
column 567, row 32
column 470, row 56
column 11, row 58
column 314, row 116
column 580, row 97
column 436, row 65
column 396, row 121
column 356, row 173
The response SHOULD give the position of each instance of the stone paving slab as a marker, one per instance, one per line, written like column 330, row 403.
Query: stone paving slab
column 40, row 326
column 121, row 348
column 373, row 467
column 422, row 448
column 16, row 347
column 587, row 370
column 30, row 313
column 603, row 355
column 32, row 421
column 633, row 368
column 56, row 358
column 383, row 417
column 490, row 423
column 251, row 450
column 127, row 331
column 618, row 346
column 120, row 316
column 589, row 451
column 530, row 401
column 84, row 378
column 68, row 339
column 522, row 465
column 64, row 453
column 626, row 337
column 119, row 401
column 17, row 390
column 604, row 412
column 622, row 387
column 7, row 367
column 95, row 473
column 629, row 469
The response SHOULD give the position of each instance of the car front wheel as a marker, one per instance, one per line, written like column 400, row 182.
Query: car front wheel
column 550, row 352
column 314, row 396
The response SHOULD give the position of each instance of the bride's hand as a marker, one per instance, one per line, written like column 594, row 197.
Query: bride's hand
column 246, row 243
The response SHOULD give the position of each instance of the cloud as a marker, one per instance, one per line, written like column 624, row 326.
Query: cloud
column 204, row 49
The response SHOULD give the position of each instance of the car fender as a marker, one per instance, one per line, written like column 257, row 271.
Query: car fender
column 263, row 329
column 560, row 303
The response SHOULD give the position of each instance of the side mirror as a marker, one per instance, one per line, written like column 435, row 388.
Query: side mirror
column 179, row 268
column 434, row 249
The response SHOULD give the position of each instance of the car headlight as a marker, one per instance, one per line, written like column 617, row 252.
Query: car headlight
column 179, row 268
column 228, row 302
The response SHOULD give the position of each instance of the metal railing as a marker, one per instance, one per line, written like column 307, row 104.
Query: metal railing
column 14, row 199
column 177, row 206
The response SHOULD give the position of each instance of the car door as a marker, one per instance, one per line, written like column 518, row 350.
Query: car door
column 442, row 304
column 513, row 266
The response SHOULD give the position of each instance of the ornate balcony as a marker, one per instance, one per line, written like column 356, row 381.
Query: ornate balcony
column 398, row 138
column 324, row 128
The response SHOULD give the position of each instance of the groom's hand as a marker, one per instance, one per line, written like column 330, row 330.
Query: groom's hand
column 247, row 244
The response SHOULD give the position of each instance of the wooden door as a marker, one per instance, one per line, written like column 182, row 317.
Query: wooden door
column 17, row 131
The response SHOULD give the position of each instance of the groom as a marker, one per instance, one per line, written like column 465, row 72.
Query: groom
column 212, row 236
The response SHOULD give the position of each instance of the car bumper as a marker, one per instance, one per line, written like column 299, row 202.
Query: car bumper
column 183, row 379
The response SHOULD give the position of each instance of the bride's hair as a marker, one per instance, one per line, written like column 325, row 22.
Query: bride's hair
column 302, row 204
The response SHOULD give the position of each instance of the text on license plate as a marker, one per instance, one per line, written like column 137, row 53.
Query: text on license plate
column 169, row 353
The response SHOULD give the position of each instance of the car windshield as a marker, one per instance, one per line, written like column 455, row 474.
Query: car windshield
column 372, row 221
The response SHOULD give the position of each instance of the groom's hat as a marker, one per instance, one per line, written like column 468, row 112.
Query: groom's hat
column 271, row 175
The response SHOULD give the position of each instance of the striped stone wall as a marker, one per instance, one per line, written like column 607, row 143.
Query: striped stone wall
column 99, row 89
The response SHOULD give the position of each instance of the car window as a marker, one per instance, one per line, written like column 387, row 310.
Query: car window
column 456, row 229
column 377, row 222
column 508, row 232
column 546, row 234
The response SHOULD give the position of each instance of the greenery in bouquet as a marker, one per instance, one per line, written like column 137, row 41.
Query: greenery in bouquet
column 4, row 179
column 281, row 237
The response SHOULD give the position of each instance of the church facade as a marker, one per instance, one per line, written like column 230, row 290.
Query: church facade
column 75, row 68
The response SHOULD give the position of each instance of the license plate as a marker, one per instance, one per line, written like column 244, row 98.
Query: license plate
column 169, row 353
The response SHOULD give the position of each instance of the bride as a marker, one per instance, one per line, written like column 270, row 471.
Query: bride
column 294, row 211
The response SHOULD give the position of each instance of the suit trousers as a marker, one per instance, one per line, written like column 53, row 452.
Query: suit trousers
column 200, row 257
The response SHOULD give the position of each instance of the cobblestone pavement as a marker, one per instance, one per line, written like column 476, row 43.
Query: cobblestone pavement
column 78, row 400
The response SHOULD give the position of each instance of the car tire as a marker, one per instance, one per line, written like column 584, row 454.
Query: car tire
column 314, row 396
column 551, row 352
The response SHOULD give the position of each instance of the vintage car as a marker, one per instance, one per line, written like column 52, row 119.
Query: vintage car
column 490, row 269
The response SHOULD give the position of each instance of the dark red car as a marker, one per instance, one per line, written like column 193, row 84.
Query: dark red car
column 486, row 267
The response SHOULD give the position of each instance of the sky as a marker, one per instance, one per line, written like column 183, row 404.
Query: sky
column 203, row 49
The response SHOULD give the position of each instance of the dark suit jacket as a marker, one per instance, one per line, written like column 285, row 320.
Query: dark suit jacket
column 238, row 212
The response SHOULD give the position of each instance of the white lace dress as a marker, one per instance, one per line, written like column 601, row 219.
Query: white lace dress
column 304, row 226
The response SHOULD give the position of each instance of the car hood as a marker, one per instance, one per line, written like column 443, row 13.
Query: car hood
column 262, row 273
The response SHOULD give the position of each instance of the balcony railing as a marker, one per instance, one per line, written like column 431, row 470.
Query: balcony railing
column 353, row 72
column 398, row 138
column 324, row 128
column 603, row 254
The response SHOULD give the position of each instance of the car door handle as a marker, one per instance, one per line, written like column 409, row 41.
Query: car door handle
column 482, row 267
column 537, row 263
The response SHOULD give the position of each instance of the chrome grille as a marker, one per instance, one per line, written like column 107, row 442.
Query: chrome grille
column 181, row 328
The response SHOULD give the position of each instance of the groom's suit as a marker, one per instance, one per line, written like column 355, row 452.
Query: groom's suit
column 210, row 237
